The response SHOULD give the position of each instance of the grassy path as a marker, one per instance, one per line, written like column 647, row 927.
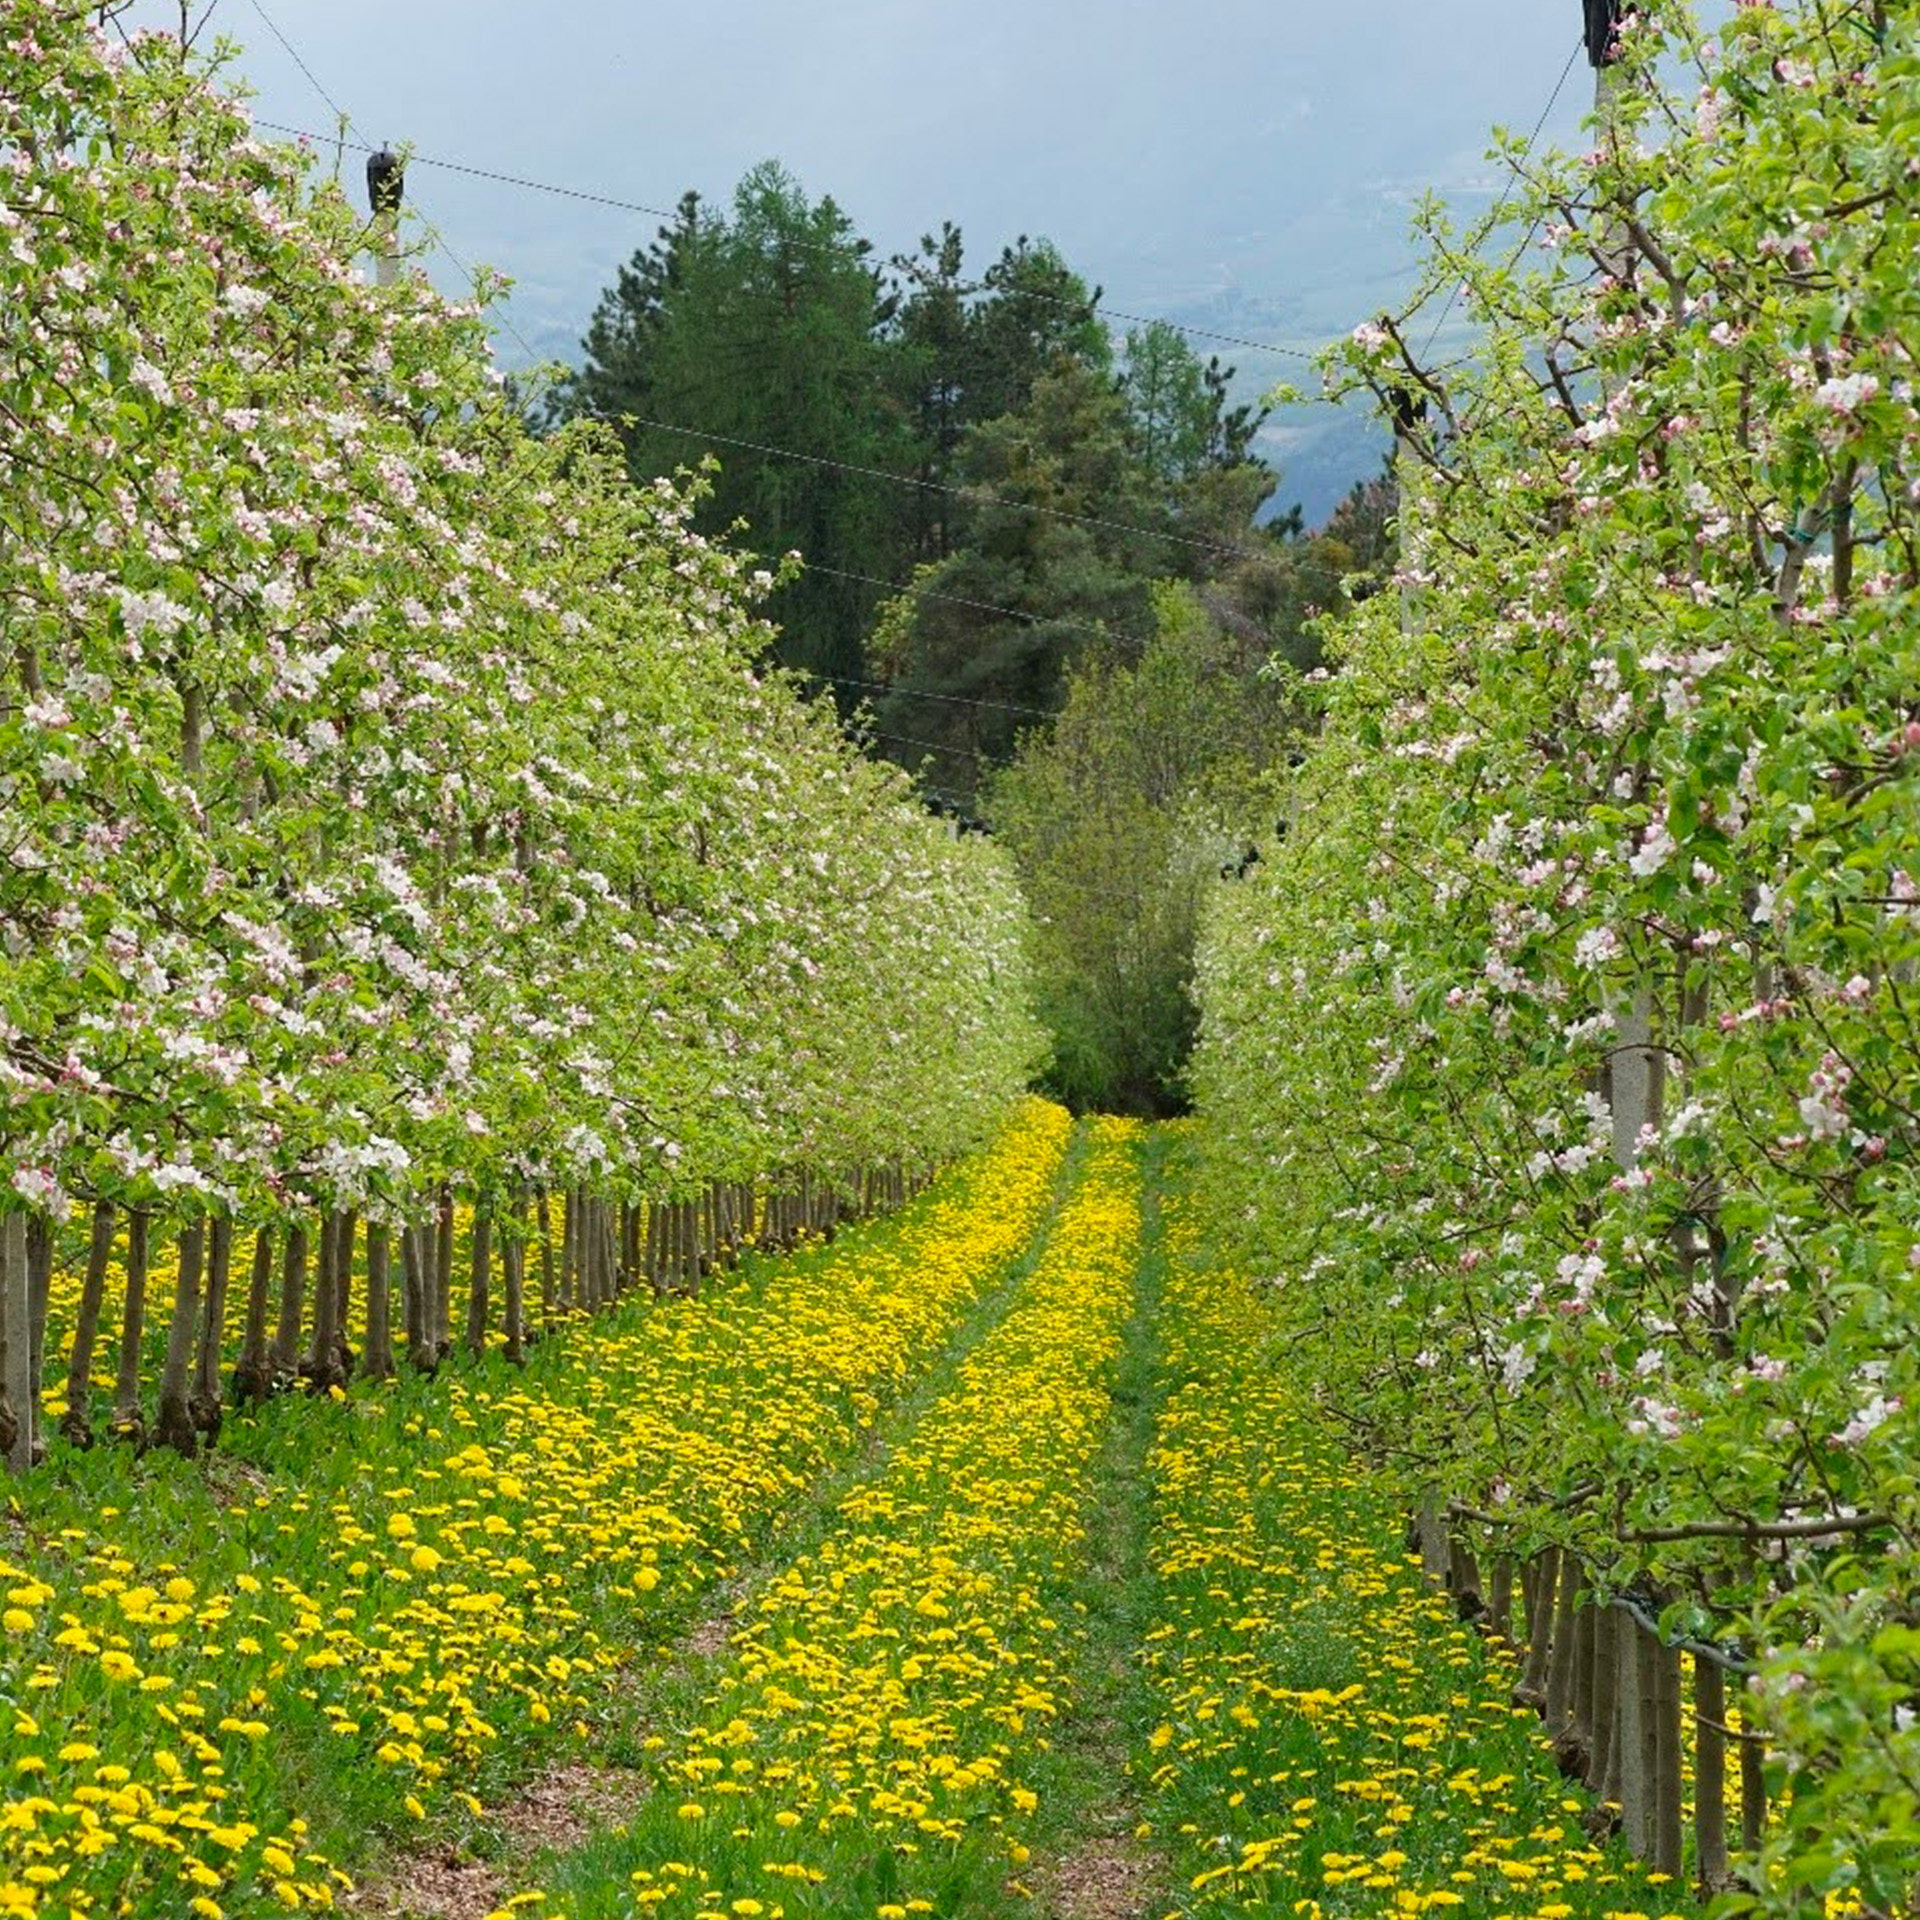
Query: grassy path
column 879, row 1737
column 986, row 1565
column 1091, row 1859
column 472, row 1870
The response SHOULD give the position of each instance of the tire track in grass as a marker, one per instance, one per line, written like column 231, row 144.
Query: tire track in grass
column 1092, row 1859
column 875, row 1742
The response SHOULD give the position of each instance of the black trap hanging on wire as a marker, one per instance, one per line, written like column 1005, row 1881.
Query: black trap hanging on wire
column 386, row 178
column 1603, row 30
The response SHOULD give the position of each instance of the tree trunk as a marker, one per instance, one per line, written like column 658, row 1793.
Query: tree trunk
column 173, row 1420
column 480, row 1277
column 1574, row 1749
column 1560, row 1660
column 1753, row 1792
column 207, row 1397
column 253, row 1378
column 293, row 1296
column 587, row 1270
column 1669, row 1798
column 653, row 1250
column 77, row 1422
column 1606, row 1696
column 1500, row 1597
column 1643, row 1823
column 376, row 1363
column 1629, row 1743
column 127, row 1423
column 321, row 1362
column 569, row 1246
column 1709, row 1777
column 513, row 1258
column 1541, row 1581
column 543, row 1225
column 343, row 1354
column 442, row 1325
column 17, row 1384
column 629, row 1216
column 417, row 1278
column 40, row 1239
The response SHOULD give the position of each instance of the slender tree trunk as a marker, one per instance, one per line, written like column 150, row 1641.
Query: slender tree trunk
column 543, row 1224
column 1606, row 1696
column 320, row 1361
column 253, row 1379
column 1629, row 1775
column 1464, row 1577
column 443, row 1279
column 1669, row 1800
column 1500, row 1597
column 416, row 1261
column 481, row 1276
column 77, row 1423
column 293, row 1296
column 1643, row 1822
column 1753, row 1792
column 1560, row 1662
column 343, row 1354
column 40, row 1239
column 376, row 1362
column 127, row 1422
column 1574, row 1749
column 1542, row 1589
column 207, row 1397
column 1709, row 1777
column 173, row 1421
column 653, row 1254
column 513, row 1257
column 17, row 1384
column 587, row 1272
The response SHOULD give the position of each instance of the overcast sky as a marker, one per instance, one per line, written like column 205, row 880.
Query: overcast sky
column 1245, row 164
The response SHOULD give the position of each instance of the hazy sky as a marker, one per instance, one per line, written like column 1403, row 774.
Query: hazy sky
column 1248, row 164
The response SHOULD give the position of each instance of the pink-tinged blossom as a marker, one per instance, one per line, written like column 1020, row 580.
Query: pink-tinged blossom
column 1823, row 1109
column 1846, row 393
column 1657, row 847
column 1656, row 1417
column 1869, row 1420
column 151, row 381
column 38, row 1187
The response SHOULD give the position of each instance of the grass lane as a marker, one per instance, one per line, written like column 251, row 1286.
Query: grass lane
column 877, row 1740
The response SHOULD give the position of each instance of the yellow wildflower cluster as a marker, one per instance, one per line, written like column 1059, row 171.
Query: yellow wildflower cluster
column 203, row 1690
column 866, row 1748
column 1332, row 1741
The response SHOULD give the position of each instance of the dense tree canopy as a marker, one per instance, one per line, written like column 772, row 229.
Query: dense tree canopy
column 1563, row 1055
column 391, row 796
